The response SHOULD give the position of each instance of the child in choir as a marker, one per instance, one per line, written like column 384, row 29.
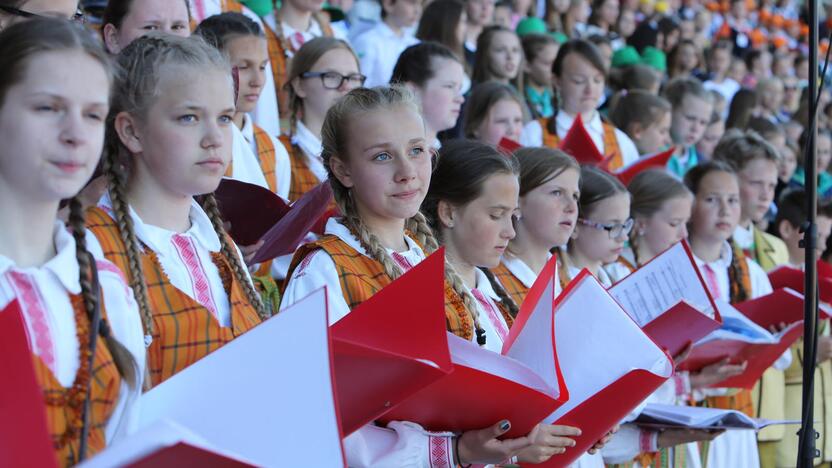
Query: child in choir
column 645, row 118
column 322, row 71
column 755, row 161
column 499, row 57
column 169, row 141
column 126, row 20
column 242, row 40
column 443, row 21
column 691, row 114
column 823, row 147
column 437, row 77
column 540, row 51
column 549, row 193
column 713, row 133
column 603, row 226
column 494, row 111
column 719, row 62
column 53, row 103
column 791, row 214
column 379, row 48
column 579, row 73
column 730, row 276
column 478, row 14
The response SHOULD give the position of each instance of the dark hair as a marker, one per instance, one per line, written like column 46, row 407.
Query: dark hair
column 19, row 44
column 639, row 77
column 117, row 10
column 534, row 43
column 721, row 44
column 217, row 30
column 694, row 177
column 439, row 23
column 539, row 165
column 597, row 185
column 792, row 208
column 482, row 67
column 645, row 35
column 673, row 56
column 417, row 64
column 587, row 50
column 651, row 189
column 483, row 97
column 676, row 90
column 739, row 148
column 639, row 107
column 741, row 109
column 766, row 128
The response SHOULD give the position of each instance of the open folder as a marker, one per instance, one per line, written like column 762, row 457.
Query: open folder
column 609, row 365
column 255, row 214
column 788, row 277
column 266, row 396
column 668, row 298
column 784, row 305
column 659, row 416
column 24, row 437
column 742, row 340
column 484, row 387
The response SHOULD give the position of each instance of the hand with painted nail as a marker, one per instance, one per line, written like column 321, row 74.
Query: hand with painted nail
column 548, row 440
column 483, row 446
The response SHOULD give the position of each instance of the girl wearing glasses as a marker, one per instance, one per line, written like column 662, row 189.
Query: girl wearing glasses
column 14, row 11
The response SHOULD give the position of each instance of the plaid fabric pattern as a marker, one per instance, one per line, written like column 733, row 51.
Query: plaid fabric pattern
column 184, row 331
column 106, row 383
column 303, row 180
column 513, row 286
column 361, row 277
column 265, row 155
column 551, row 140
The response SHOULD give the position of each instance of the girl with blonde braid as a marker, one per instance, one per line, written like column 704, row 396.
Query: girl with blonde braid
column 168, row 145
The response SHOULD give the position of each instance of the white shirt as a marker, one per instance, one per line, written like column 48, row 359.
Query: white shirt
column 490, row 318
column 524, row 273
column 728, row 88
column 296, row 38
column 312, row 147
column 378, row 51
column 533, row 135
column 44, row 291
column 283, row 168
column 185, row 258
column 245, row 165
column 744, row 237
column 266, row 113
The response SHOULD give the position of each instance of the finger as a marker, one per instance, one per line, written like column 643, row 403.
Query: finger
column 512, row 446
column 559, row 442
column 559, row 430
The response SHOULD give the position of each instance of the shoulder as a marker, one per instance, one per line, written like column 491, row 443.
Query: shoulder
column 532, row 134
column 776, row 244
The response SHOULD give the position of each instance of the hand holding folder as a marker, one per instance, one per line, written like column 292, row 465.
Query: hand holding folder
column 255, row 214
column 668, row 298
column 608, row 364
column 24, row 437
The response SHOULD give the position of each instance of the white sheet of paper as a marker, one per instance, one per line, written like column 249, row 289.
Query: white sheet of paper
column 598, row 343
column 661, row 284
column 701, row 418
column 267, row 395
column 157, row 436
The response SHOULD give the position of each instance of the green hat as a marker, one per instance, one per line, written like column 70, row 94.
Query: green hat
column 531, row 25
column 560, row 37
column 625, row 56
column 335, row 14
column 655, row 58
column 259, row 7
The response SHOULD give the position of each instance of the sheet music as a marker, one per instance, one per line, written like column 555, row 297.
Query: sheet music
column 661, row 284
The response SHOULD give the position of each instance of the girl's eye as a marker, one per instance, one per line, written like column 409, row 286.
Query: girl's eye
column 150, row 27
column 178, row 27
column 46, row 108
column 188, row 118
column 557, row 192
column 242, row 67
column 417, row 151
column 96, row 116
column 226, row 119
column 383, row 157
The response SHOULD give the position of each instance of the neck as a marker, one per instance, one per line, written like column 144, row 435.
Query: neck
column 239, row 119
column 156, row 205
column 580, row 261
column 530, row 252
column 797, row 256
column 642, row 253
column 472, row 32
column 393, row 26
column 465, row 270
column 297, row 19
column 314, row 123
column 746, row 223
column 30, row 243
column 707, row 250
column 390, row 232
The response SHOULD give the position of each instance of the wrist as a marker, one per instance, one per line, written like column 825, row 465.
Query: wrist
column 648, row 441
column 459, row 459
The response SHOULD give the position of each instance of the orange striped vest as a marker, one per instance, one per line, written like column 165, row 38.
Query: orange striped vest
column 106, row 383
column 266, row 156
column 184, row 330
column 303, row 180
column 552, row 140
column 513, row 286
column 361, row 277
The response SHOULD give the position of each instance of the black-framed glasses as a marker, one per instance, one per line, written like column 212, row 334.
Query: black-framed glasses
column 78, row 17
column 334, row 80
column 615, row 230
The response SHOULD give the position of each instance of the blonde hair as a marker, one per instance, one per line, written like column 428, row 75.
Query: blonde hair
column 135, row 91
column 334, row 136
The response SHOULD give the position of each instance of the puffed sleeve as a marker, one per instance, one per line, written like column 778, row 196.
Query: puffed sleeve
column 401, row 444
column 314, row 272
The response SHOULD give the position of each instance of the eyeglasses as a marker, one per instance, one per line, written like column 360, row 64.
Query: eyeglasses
column 615, row 230
column 78, row 17
column 334, row 80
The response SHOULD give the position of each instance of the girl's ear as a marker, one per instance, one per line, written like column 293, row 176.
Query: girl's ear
column 785, row 229
column 446, row 214
column 128, row 132
column 635, row 131
column 111, row 38
column 341, row 171
column 298, row 89
column 640, row 226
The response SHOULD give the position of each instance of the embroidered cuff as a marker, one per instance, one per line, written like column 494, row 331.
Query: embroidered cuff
column 682, row 382
column 441, row 454
column 648, row 441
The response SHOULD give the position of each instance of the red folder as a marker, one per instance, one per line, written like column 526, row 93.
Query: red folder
column 784, row 305
column 392, row 345
column 508, row 146
column 185, row 454
column 485, row 387
column 654, row 161
column 256, row 213
column 788, row 277
column 24, row 437
column 597, row 413
column 579, row 144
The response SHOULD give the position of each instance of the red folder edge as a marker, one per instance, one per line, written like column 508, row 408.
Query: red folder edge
column 578, row 143
column 185, row 454
column 657, row 161
column 788, row 277
column 508, row 146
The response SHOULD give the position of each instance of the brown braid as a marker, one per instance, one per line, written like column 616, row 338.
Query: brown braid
column 122, row 358
column 209, row 204
column 505, row 299
column 739, row 277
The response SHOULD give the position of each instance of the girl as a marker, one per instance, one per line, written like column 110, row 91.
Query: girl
column 13, row 11
column 443, row 21
column 692, row 109
column 603, row 225
column 742, row 108
column 380, row 46
column 823, row 147
column 579, row 75
column 322, row 71
column 499, row 57
column 168, row 140
column 242, row 40
column 53, row 101
column 575, row 18
column 126, row 20
column 604, row 16
column 731, row 277
column 683, row 60
column 540, row 51
column 379, row 166
column 479, row 14
column 713, row 132
column 494, row 112
column 437, row 78
column 646, row 119
column 660, row 207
